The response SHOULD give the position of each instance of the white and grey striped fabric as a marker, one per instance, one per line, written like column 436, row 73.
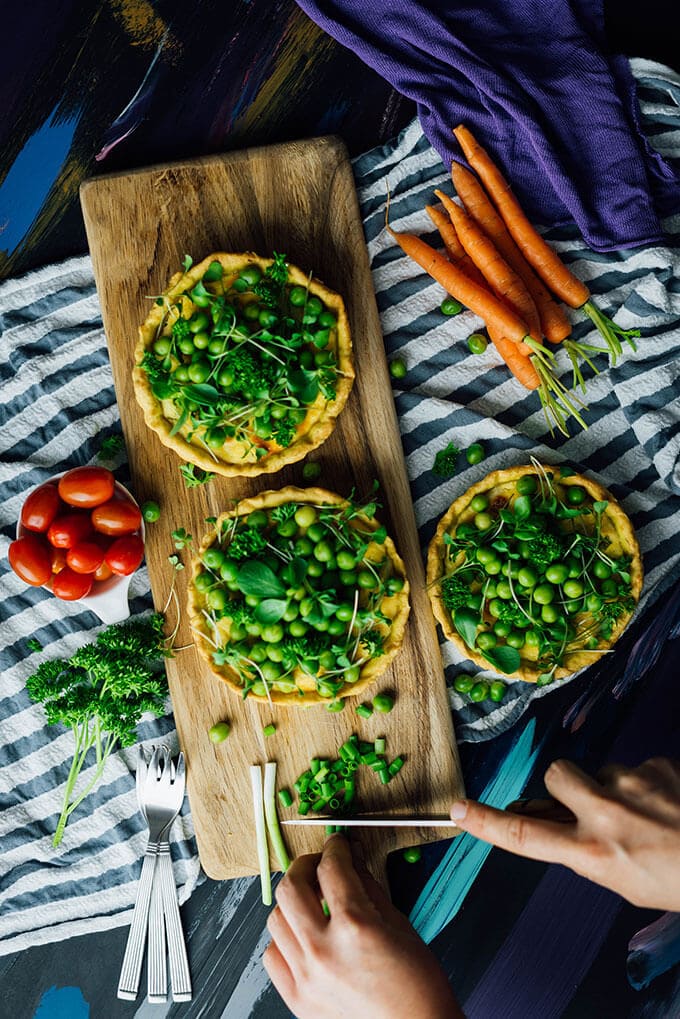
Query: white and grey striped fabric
column 57, row 403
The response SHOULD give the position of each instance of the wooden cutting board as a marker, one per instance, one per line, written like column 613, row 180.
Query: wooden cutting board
column 297, row 198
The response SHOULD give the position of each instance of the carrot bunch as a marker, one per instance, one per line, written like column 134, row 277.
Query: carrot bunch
column 501, row 268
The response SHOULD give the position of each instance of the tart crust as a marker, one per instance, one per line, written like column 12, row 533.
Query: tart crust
column 396, row 606
column 230, row 460
column 615, row 525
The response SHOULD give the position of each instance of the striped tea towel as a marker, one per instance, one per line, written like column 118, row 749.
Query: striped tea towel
column 57, row 404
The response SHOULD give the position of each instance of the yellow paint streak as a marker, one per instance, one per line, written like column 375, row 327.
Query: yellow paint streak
column 141, row 23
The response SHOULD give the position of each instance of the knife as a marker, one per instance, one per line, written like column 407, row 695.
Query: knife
column 376, row 822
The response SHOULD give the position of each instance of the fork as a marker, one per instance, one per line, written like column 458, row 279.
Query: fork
column 180, row 978
column 162, row 799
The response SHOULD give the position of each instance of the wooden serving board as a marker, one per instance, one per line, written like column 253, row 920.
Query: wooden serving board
column 297, row 198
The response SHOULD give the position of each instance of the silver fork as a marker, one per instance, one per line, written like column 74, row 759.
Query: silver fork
column 162, row 801
column 180, row 978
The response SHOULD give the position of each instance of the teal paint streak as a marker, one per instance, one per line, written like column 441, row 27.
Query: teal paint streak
column 62, row 1003
column 445, row 892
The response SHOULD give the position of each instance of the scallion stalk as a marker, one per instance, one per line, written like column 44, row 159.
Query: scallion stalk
column 261, row 834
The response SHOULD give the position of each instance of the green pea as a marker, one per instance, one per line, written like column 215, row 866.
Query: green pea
column 258, row 652
column 479, row 503
column 549, row 614
column 501, row 628
column 199, row 322
column 287, row 528
column 151, row 511
column 497, row 691
column 314, row 307
column 204, row 581
column 162, row 347
column 316, row 532
column 336, row 627
column 216, row 437
column 323, row 551
column 573, row 588
column 327, row 660
column 592, row 643
column 527, row 577
column 573, row 566
column 398, row 368
column 213, row 558
column 463, row 683
column 593, row 603
column 510, row 569
column 609, row 588
column 486, row 640
column 483, row 521
column 503, row 590
column 346, row 561
column 557, row 573
column 496, row 607
column 450, row 306
column 383, row 702
column 186, row 346
column 575, row 494
column 228, row 569
column 475, row 453
column 215, row 271
column 181, row 373
column 267, row 318
column 251, row 275
column 251, row 312
column 271, row 671
column 515, row 639
column 479, row 692
column 273, row 633
column 485, row 554
column 490, row 589
column 532, row 639
column 544, row 594
column 252, row 600
column 573, row 606
column 477, row 343
column 601, row 570
column 297, row 296
column 225, row 378
column 297, row 628
column 315, row 568
column 216, row 599
column 199, row 299
column 494, row 567
column 527, row 484
column 344, row 612
column 199, row 371
column 305, row 516
column 396, row 584
column 352, row 674
column 291, row 612
column 311, row 470
column 219, row 732
column 202, row 341
column 237, row 632
column 367, row 580
column 327, row 319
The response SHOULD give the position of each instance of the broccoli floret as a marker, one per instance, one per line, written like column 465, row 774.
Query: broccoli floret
column 510, row 612
column 180, row 330
column 544, row 549
column 246, row 543
column 445, row 461
column 454, row 592
column 251, row 375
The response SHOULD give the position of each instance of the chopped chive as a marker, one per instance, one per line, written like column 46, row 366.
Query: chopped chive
column 333, row 803
column 269, row 730
column 370, row 758
column 319, row 804
column 330, row 829
column 396, row 765
column 385, row 776
column 365, row 748
column 327, row 789
column 380, row 745
column 321, row 773
column 379, row 764
column 324, row 907
column 364, row 710
column 285, row 799
column 315, row 764
column 303, row 808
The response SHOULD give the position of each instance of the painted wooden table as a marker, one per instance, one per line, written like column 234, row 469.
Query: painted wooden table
column 113, row 85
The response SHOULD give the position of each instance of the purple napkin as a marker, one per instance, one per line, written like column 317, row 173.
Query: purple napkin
column 531, row 79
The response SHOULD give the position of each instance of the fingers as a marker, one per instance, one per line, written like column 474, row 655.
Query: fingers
column 298, row 900
column 279, row 971
column 527, row 836
column 388, row 913
column 572, row 787
column 340, row 884
column 547, row 810
column 282, row 934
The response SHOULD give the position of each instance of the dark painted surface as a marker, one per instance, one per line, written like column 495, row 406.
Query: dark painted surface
column 132, row 83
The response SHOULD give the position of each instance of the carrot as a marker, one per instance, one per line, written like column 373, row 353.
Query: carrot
column 554, row 323
column 454, row 249
column 475, row 297
column 498, row 274
column 521, row 367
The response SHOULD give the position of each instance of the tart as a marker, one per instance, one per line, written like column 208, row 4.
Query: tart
column 244, row 364
column 298, row 596
column 534, row 572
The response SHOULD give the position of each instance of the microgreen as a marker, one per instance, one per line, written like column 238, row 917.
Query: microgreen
column 194, row 476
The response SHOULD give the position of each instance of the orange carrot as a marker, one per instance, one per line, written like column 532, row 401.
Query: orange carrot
column 521, row 367
column 554, row 322
column 454, row 249
column 537, row 252
column 498, row 274
column 475, row 297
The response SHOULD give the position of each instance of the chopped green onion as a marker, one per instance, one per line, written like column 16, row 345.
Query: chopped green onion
column 364, row 710
column 303, row 808
column 396, row 765
column 324, row 906
column 261, row 834
column 314, row 765
column 285, row 799
column 269, row 730
column 380, row 745
column 412, row 854
column 385, row 776
column 330, row 829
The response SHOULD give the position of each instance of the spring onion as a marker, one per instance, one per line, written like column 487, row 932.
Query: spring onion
column 285, row 799
column 272, row 816
column 261, row 834
column 364, row 710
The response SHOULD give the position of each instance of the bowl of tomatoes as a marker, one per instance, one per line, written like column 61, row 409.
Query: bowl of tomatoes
column 81, row 535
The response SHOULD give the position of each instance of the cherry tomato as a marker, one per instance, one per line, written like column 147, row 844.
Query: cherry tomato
column 70, row 586
column 85, row 557
column 69, row 530
column 40, row 508
column 30, row 559
column 58, row 559
column 86, row 486
column 116, row 517
column 103, row 572
column 125, row 555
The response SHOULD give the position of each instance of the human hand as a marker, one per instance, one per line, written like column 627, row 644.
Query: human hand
column 363, row 959
column 625, row 833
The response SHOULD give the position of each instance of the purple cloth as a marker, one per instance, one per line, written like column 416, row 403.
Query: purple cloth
column 531, row 79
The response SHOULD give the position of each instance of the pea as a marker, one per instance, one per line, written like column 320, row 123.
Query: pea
column 273, row 633
column 477, row 343
column 297, row 296
column 202, row 341
column 493, row 568
column 316, row 532
column 497, row 691
column 573, row 606
column 327, row 660
column 450, row 306
column 314, row 307
column 204, row 581
column 527, row 484
column 199, row 371
column 483, row 521
column 503, row 590
column 601, row 570
column 216, row 599
column 346, row 560
column 352, row 674
column 323, row 551
column 311, row 470
column 291, row 612
column 186, row 346
column 202, row 300
column 485, row 554
column 479, row 503
column 225, row 378
column 593, row 603
column 151, row 511
column 515, row 639
column 501, row 628
column 490, row 589
column 575, row 494
column 228, row 569
column 398, row 368
column 303, row 547
column 213, row 558
column 544, row 594
column 475, row 453
column 216, row 437
column 366, row 580
column 327, row 319
column 297, row 628
column 592, row 643
column 383, row 702
column 219, row 732
column 527, row 577
column 251, row 311
column 531, row 638
column 573, row 566
column 609, row 588
column 199, row 322
column 287, row 528
column 496, row 607
column 258, row 652
column 162, row 347
column 252, row 600
column 271, row 671
column 549, row 614
column 510, row 569
column 463, row 683
column 396, row 584
column 237, row 632
column 479, row 692
column 573, row 588
column 348, row 578
column 557, row 573
column 216, row 347
column 486, row 640
column 315, row 568
column 181, row 373
column 335, row 627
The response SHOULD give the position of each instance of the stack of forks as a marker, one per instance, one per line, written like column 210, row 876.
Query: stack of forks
column 160, row 793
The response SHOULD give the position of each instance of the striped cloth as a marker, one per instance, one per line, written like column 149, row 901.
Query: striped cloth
column 57, row 404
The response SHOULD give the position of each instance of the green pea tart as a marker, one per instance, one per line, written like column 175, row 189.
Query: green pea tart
column 243, row 364
column 534, row 572
column 299, row 597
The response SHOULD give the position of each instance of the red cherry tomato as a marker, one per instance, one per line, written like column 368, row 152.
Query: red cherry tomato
column 125, row 555
column 40, row 508
column 69, row 530
column 116, row 517
column 58, row 559
column 30, row 559
column 70, row 586
column 85, row 557
column 86, row 487
column 103, row 572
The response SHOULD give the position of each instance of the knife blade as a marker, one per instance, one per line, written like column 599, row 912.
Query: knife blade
column 375, row 822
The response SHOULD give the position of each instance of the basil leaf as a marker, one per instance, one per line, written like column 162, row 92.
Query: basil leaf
column 545, row 678
column 298, row 570
column 522, row 507
column 466, row 622
column 202, row 393
column 162, row 390
column 526, row 533
column 505, row 659
column 600, row 507
column 257, row 579
column 179, row 422
column 270, row 610
column 567, row 512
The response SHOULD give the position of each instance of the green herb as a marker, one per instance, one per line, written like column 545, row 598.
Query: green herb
column 181, row 538
column 445, row 461
column 270, row 287
column 33, row 644
column 101, row 693
column 110, row 447
column 176, row 562
column 194, row 476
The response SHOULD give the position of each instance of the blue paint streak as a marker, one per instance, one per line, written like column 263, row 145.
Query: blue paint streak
column 30, row 178
column 444, row 893
column 62, row 1003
